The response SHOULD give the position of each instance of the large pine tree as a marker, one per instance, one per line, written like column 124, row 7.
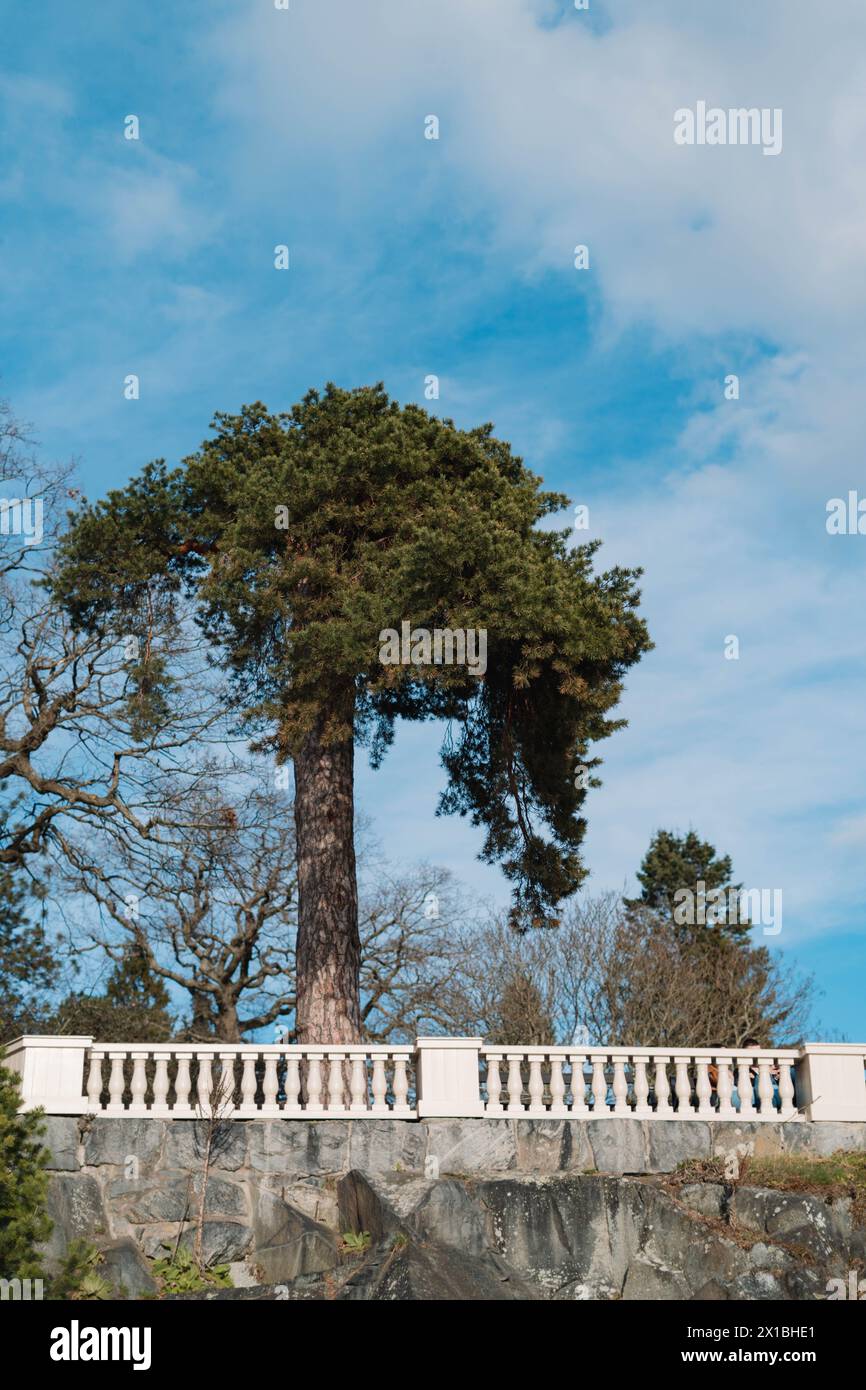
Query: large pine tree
column 301, row 538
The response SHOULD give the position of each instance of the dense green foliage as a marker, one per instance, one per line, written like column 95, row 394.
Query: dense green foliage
column 28, row 968
column 24, row 1221
column 301, row 537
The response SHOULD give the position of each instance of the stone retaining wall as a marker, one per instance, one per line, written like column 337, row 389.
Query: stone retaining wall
column 275, row 1187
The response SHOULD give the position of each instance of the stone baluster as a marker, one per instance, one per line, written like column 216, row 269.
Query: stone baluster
column 704, row 1089
column 248, row 1084
column 515, row 1084
column 359, row 1084
column 314, row 1083
column 182, row 1084
column 94, row 1080
column 292, row 1085
column 725, row 1089
column 536, row 1085
column 577, row 1084
column 641, row 1086
column 160, row 1085
column 401, row 1083
column 620, row 1088
column 662, row 1088
column 138, row 1086
column 271, row 1084
column 599, row 1087
column 224, row 1092
column 765, row 1088
column 116, row 1084
column 204, row 1085
column 557, row 1087
column 744, row 1088
column 494, row 1087
column 335, row 1081
column 786, row 1090
column 683, row 1088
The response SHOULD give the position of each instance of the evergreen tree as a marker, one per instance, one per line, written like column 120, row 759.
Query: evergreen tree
column 522, row 1014
column 676, row 865
column 303, row 540
column 133, row 1008
column 28, row 968
column 24, row 1221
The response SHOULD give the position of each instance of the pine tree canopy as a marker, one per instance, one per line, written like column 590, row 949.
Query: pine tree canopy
column 301, row 537
column 674, row 863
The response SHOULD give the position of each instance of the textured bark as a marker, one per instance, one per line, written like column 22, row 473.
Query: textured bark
column 329, row 949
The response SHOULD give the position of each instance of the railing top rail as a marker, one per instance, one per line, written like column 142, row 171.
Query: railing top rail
column 624, row 1053
column 273, row 1049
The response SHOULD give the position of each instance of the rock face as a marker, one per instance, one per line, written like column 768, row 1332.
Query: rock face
column 520, row 1209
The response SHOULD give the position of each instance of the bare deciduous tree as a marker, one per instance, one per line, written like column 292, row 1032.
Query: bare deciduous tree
column 211, row 908
column 608, row 975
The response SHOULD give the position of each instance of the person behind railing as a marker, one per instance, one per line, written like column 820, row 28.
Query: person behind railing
column 713, row 1073
column 751, row 1044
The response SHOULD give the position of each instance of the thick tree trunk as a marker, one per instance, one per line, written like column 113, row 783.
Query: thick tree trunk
column 329, row 949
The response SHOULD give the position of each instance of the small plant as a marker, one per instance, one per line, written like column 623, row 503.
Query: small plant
column 400, row 1241
column 78, row 1278
column 178, row 1272
column 355, row 1242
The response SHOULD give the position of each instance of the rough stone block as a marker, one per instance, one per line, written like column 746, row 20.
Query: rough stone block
column 175, row 1198
column 474, row 1146
column 61, row 1141
column 706, row 1198
column 222, row 1241
column 387, row 1146
column 553, row 1146
column 125, row 1269
column 827, row 1138
column 287, row 1243
column 114, row 1139
column 186, row 1143
column 746, row 1138
column 618, row 1146
column 645, row 1280
column 298, row 1148
column 671, row 1142
column 76, row 1208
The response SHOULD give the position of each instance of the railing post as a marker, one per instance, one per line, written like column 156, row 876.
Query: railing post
column 447, row 1077
column 831, row 1083
column 51, row 1072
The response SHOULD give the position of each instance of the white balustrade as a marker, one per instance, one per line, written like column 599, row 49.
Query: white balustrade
column 649, row 1083
column 229, row 1080
column 460, row 1077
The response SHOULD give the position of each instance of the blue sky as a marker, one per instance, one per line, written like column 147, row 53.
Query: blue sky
column 455, row 257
